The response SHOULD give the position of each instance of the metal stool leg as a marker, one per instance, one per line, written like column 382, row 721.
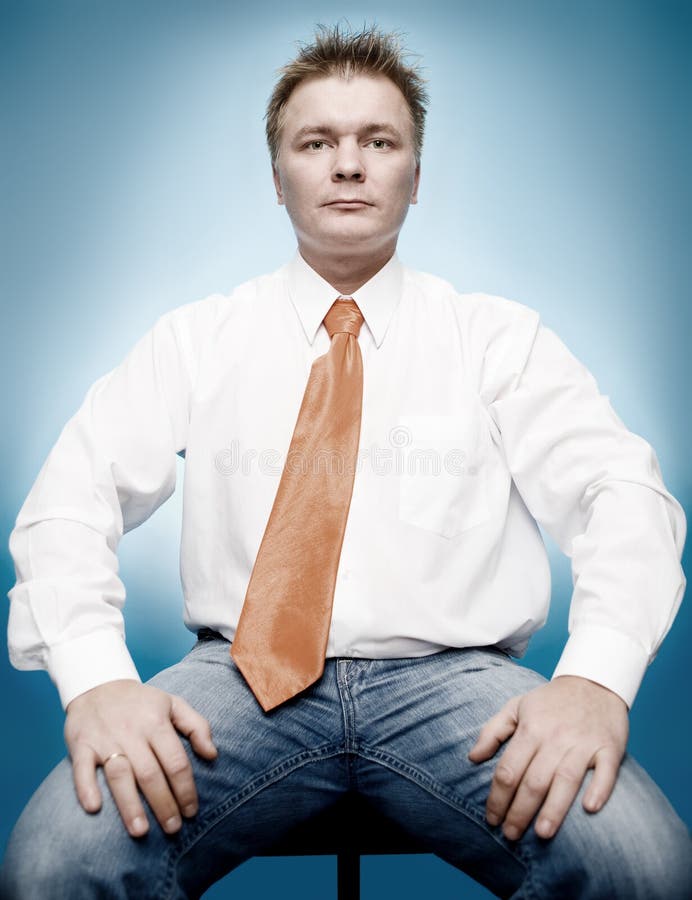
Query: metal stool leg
column 348, row 875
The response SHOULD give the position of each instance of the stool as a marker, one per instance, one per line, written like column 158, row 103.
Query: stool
column 347, row 830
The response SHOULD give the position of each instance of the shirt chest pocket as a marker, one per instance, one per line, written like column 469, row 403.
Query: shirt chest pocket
column 442, row 472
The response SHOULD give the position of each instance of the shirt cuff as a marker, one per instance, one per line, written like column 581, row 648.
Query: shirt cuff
column 83, row 663
column 606, row 656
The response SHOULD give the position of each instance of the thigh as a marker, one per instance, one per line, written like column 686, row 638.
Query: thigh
column 417, row 721
column 272, row 771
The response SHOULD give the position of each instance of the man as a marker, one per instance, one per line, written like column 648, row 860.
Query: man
column 408, row 587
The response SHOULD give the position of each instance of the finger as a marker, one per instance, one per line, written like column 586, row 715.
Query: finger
column 508, row 775
column 194, row 726
column 177, row 769
column 121, row 783
column 495, row 732
column 566, row 782
column 152, row 782
column 84, row 764
column 607, row 765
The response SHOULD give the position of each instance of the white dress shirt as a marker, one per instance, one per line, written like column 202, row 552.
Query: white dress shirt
column 477, row 421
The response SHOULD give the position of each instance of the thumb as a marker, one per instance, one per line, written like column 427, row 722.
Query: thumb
column 495, row 732
column 194, row 726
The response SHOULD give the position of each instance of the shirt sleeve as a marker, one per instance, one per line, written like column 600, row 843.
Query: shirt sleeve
column 597, row 489
column 112, row 466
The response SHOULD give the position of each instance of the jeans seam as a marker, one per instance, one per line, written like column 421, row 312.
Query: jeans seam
column 219, row 812
column 529, row 887
column 433, row 787
column 346, row 700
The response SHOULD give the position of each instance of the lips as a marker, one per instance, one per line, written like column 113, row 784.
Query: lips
column 347, row 201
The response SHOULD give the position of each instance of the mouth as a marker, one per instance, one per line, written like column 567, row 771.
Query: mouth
column 348, row 203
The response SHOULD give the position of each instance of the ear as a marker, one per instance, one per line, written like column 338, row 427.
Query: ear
column 416, row 182
column 277, row 185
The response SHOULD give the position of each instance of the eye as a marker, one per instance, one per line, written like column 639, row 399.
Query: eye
column 380, row 144
column 316, row 145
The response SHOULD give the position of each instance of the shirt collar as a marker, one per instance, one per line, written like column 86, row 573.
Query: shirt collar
column 313, row 297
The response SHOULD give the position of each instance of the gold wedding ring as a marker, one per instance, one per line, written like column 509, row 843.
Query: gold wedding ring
column 113, row 756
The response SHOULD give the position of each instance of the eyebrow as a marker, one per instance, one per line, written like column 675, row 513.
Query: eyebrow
column 365, row 130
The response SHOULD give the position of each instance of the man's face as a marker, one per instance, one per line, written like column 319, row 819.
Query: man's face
column 346, row 169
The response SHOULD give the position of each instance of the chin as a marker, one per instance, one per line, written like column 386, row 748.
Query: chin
column 352, row 236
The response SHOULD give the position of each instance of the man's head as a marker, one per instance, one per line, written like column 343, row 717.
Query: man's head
column 345, row 126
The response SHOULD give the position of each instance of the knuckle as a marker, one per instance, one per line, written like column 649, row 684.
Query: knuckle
column 147, row 774
column 178, row 764
column 535, row 784
column 530, row 732
column 504, row 776
column 159, row 733
column 485, row 733
column 568, row 773
column 156, row 719
column 609, row 757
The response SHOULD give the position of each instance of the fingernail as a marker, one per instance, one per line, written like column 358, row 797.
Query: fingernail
column 492, row 819
column 139, row 826
column 190, row 810
column 511, row 832
column 172, row 824
column 545, row 828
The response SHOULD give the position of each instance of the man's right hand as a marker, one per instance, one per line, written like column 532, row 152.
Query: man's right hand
column 139, row 723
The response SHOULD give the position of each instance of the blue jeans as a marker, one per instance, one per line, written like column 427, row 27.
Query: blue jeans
column 395, row 730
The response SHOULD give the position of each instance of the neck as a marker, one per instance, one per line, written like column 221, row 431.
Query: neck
column 347, row 273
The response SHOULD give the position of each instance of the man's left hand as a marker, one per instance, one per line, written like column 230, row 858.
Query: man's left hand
column 558, row 731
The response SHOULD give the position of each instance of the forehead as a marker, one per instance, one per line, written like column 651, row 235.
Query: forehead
column 345, row 104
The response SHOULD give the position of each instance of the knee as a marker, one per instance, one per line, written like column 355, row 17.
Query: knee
column 636, row 847
column 58, row 850
column 54, row 858
column 34, row 869
column 676, row 882
column 39, row 866
column 642, row 867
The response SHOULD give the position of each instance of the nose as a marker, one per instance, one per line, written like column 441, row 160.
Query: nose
column 348, row 164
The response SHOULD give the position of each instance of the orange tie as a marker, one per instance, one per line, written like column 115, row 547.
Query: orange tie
column 281, row 639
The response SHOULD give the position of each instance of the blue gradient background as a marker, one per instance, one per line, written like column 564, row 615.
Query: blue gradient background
column 135, row 179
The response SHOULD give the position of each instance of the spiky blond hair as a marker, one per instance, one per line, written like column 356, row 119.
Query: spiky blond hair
column 335, row 51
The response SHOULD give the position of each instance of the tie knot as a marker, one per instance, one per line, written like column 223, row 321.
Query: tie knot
column 344, row 315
